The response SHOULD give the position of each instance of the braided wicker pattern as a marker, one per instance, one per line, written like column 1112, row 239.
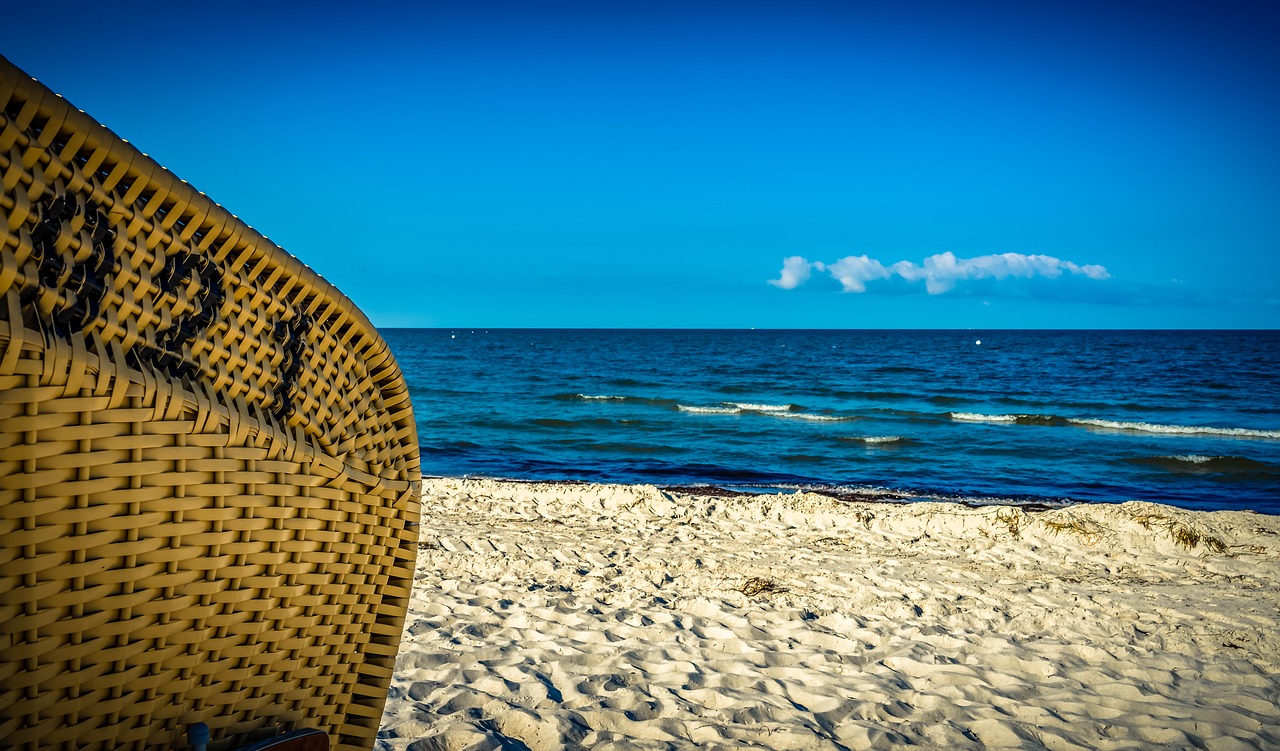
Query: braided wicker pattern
column 208, row 463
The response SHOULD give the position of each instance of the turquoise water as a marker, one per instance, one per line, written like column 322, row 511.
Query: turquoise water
column 1190, row 418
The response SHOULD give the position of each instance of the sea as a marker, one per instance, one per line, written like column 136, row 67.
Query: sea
column 1187, row 418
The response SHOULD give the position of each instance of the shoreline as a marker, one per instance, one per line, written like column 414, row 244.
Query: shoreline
column 842, row 493
column 606, row 616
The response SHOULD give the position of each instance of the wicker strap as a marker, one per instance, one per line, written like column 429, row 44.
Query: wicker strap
column 209, row 469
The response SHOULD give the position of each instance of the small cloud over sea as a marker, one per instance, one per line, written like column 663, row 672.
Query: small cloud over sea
column 939, row 273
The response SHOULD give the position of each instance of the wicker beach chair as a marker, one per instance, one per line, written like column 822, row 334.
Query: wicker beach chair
column 209, row 472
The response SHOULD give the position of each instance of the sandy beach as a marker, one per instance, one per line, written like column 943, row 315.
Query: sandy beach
column 617, row 617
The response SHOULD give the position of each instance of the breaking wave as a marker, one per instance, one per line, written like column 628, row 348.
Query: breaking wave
column 786, row 411
column 876, row 440
column 975, row 417
column 816, row 417
column 709, row 410
column 747, row 407
column 1119, row 425
column 1148, row 427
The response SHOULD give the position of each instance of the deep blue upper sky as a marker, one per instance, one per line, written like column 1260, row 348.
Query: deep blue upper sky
column 604, row 164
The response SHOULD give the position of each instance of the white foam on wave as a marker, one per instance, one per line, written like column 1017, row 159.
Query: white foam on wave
column 709, row 410
column 976, row 417
column 1139, row 427
column 763, row 407
column 1193, row 458
column 873, row 440
column 773, row 410
column 1148, row 427
column 601, row 398
column 812, row 417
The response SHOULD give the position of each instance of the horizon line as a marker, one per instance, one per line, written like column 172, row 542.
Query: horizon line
column 793, row 328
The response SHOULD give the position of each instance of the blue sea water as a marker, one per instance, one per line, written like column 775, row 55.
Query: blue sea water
column 1190, row 418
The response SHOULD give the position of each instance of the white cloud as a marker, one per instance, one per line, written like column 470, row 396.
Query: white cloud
column 853, row 272
column 1094, row 271
column 795, row 271
column 940, row 273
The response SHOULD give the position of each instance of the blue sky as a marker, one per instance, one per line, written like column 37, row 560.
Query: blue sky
column 612, row 164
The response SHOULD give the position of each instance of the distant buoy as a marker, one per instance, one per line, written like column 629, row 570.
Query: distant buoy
column 977, row 341
column 453, row 336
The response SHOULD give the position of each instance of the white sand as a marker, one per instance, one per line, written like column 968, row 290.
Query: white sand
column 571, row 616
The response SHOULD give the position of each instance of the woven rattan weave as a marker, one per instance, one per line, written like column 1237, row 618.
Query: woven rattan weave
column 208, row 463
